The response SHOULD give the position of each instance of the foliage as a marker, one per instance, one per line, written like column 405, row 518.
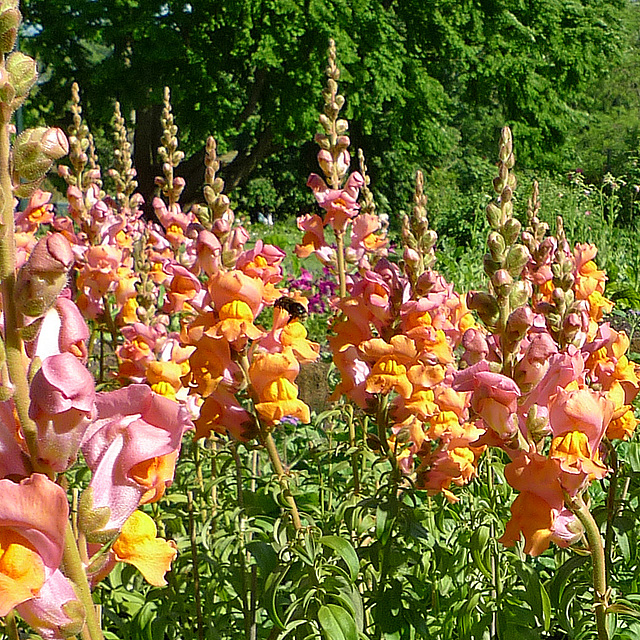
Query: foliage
column 430, row 83
column 381, row 514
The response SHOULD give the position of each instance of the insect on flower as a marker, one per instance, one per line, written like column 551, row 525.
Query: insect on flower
column 295, row 309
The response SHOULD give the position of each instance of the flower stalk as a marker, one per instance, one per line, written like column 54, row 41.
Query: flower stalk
column 270, row 445
column 592, row 533
column 74, row 570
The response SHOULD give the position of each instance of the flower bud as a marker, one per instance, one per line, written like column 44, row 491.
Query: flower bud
column 341, row 126
column 502, row 282
column 44, row 275
column 519, row 321
column 9, row 23
column 538, row 424
column 475, row 345
column 35, row 150
column 516, row 260
column 486, row 306
column 490, row 265
column 325, row 160
column 23, row 73
column 411, row 257
column 494, row 215
column 92, row 519
column 496, row 245
column 511, row 230
column 520, row 294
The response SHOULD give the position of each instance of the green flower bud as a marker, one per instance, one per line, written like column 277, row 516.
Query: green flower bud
column 74, row 610
column 23, row 73
column 7, row 90
column 92, row 521
column 520, row 294
column 537, row 426
column 9, row 21
column 516, row 260
column 35, row 150
column 494, row 215
column 511, row 230
column 496, row 245
column 490, row 265
column 485, row 305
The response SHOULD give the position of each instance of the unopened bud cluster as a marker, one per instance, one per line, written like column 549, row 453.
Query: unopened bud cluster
column 419, row 241
column 564, row 314
column 333, row 157
column 169, row 155
column 123, row 172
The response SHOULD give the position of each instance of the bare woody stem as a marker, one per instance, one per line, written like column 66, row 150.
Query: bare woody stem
column 268, row 442
column 592, row 532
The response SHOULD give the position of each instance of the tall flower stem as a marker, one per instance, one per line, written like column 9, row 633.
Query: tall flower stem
column 592, row 532
column 274, row 457
column 353, row 444
column 196, row 568
column 12, row 339
column 74, row 570
column 11, row 627
column 342, row 279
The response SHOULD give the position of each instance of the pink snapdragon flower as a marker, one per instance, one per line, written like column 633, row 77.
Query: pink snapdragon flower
column 494, row 399
column 62, row 405
column 33, row 522
column 38, row 211
column 341, row 205
column 56, row 613
column 135, row 428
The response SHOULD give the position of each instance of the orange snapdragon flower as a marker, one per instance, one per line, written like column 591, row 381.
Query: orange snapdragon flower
column 138, row 545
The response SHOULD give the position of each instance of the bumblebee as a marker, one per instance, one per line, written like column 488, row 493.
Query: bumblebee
column 295, row 309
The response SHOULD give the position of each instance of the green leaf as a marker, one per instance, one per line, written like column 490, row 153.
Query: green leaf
column 265, row 556
column 478, row 544
column 346, row 551
column 336, row 623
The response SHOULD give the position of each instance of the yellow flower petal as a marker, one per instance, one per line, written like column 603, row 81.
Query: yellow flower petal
column 21, row 571
column 138, row 545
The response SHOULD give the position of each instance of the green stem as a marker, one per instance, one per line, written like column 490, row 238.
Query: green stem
column 196, row 568
column 612, row 504
column 274, row 457
column 495, row 570
column 12, row 339
column 355, row 456
column 11, row 626
column 592, row 532
column 74, row 570
column 342, row 279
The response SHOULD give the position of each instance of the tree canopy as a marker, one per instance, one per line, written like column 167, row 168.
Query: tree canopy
column 426, row 83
